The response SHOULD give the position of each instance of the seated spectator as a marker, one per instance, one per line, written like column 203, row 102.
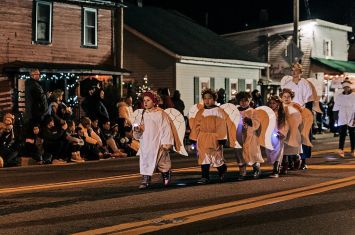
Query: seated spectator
column 75, row 141
column 53, row 109
column 8, row 145
column 109, row 138
column 64, row 112
column 54, row 141
column 92, row 142
column 34, row 144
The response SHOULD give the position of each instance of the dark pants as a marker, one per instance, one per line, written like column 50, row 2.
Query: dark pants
column 342, row 135
column 10, row 156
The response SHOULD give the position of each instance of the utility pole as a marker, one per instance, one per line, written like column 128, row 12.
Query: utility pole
column 296, row 18
column 118, row 45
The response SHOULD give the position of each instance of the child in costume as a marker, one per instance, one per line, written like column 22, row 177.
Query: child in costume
column 293, row 141
column 275, row 156
column 156, row 139
column 209, row 130
column 247, row 136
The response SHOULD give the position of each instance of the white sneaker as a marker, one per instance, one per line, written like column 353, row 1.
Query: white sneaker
column 341, row 153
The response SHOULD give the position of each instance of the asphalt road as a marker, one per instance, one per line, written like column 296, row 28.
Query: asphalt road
column 102, row 198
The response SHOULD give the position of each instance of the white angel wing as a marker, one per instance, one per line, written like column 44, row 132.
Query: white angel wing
column 193, row 111
column 192, row 114
column 267, row 120
column 232, row 123
column 180, row 125
column 284, row 80
column 136, row 117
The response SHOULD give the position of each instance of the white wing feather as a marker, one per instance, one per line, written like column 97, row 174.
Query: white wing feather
column 136, row 117
column 180, row 125
column 272, row 124
column 234, row 115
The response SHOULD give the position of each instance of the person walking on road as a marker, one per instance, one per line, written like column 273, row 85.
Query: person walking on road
column 344, row 113
column 210, row 132
column 156, row 139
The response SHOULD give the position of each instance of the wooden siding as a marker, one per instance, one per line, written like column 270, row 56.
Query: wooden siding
column 278, row 65
column 5, row 95
column 16, row 35
column 142, row 58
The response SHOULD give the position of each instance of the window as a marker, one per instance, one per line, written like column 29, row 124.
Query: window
column 43, row 22
column 234, row 88
column 89, row 27
column 327, row 48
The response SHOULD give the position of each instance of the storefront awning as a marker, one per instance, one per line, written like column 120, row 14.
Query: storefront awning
column 81, row 69
column 339, row 65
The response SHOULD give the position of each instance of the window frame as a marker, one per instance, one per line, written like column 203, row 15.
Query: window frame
column 84, row 43
column 35, row 22
column 327, row 48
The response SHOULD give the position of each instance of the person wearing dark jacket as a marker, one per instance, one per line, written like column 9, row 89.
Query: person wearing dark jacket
column 34, row 144
column 97, row 108
column 54, row 141
column 35, row 98
column 178, row 103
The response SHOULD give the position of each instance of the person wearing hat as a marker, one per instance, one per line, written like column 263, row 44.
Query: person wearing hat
column 344, row 113
column 156, row 139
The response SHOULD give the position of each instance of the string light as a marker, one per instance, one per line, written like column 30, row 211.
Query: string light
column 71, row 82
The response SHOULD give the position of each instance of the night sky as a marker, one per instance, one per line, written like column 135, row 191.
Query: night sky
column 225, row 16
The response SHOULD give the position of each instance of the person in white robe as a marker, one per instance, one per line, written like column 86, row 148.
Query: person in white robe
column 344, row 113
column 156, row 139
column 303, row 95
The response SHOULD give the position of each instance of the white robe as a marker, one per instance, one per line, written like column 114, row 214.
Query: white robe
column 303, row 91
column 345, row 104
column 157, row 131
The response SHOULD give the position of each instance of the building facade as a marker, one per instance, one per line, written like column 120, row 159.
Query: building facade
column 71, row 37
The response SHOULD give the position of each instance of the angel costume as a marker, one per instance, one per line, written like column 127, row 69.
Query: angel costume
column 293, row 141
column 275, row 156
column 247, row 136
column 157, row 132
column 209, row 129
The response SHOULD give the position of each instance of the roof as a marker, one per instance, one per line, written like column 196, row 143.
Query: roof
column 340, row 65
column 289, row 26
column 181, row 35
column 25, row 67
column 99, row 3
